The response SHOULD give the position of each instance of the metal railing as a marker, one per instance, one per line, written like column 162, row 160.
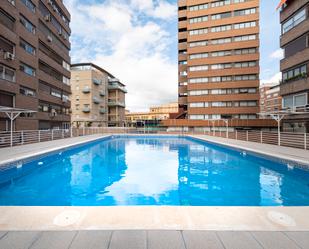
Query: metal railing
column 288, row 139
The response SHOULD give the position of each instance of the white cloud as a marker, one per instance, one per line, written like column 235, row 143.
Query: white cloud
column 133, row 48
column 273, row 79
column 278, row 54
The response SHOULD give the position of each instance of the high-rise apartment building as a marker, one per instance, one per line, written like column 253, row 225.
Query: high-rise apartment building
column 98, row 98
column 34, row 62
column 218, row 62
column 294, row 39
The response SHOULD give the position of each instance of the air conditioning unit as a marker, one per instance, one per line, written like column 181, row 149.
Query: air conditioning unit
column 60, row 33
column 50, row 2
column 49, row 38
column 47, row 18
column 8, row 56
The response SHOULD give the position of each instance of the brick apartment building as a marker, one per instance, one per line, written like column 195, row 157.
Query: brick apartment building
column 270, row 99
column 294, row 39
column 98, row 98
column 218, row 63
column 34, row 62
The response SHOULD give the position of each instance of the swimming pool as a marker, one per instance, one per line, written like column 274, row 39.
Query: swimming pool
column 153, row 170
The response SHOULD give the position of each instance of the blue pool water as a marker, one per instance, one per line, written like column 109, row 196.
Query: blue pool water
column 154, row 171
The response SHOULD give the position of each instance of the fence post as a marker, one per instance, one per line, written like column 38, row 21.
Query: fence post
column 52, row 135
column 305, row 141
column 261, row 137
column 71, row 131
column 84, row 131
column 39, row 136
column 62, row 133
column 236, row 135
column 247, row 135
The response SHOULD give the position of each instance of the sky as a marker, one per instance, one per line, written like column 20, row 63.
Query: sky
column 136, row 41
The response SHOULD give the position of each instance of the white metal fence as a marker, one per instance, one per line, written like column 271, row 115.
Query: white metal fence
column 289, row 139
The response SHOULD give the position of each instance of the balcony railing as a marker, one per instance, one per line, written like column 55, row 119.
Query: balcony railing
column 96, row 100
column 298, row 77
column 115, row 86
column 86, row 89
column 102, row 110
column 86, row 109
column 102, row 93
column 116, row 103
column 97, row 81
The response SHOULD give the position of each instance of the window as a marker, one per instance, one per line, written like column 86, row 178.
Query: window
column 246, row 51
column 27, row 91
column 198, row 31
column 198, row 44
column 221, row 16
column 300, row 100
column 27, row 69
column 196, row 117
column 198, row 19
column 198, row 92
column 7, row 73
column 198, row 68
column 183, row 63
column 221, row 28
column 296, row 46
column 198, row 7
column 245, row 64
column 245, row 12
column 221, row 66
column 27, row 47
column 295, row 73
column 7, row 20
column 197, row 105
column 27, row 24
column 55, row 92
column 6, row 46
column 198, row 80
column 66, row 65
column 29, row 5
column 198, row 56
column 66, row 80
column 221, row 53
column 288, row 102
column 221, row 41
column 296, row 19
column 244, row 25
column 220, row 3
column 244, row 38
column 245, row 77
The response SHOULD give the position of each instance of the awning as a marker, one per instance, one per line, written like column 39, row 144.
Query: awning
column 281, row 3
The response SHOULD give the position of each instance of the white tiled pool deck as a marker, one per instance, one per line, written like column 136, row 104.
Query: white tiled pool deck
column 153, row 217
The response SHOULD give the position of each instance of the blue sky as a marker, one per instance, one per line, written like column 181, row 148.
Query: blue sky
column 136, row 40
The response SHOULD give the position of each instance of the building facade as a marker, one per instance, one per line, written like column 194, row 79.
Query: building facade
column 294, row 87
column 34, row 62
column 270, row 99
column 153, row 117
column 218, row 46
column 98, row 98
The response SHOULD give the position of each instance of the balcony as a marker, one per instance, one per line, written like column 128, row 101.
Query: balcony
column 97, row 82
column 117, row 86
column 102, row 93
column 86, row 109
column 102, row 111
column 116, row 103
column 86, row 89
column 96, row 100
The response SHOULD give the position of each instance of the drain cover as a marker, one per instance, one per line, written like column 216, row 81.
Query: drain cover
column 67, row 218
column 281, row 219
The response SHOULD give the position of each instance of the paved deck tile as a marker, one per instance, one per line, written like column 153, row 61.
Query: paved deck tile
column 18, row 240
column 238, row 240
column 91, row 240
column 274, row 240
column 165, row 240
column 202, row 240
column 128, row 240
column 300, row 238
column 52, row 240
